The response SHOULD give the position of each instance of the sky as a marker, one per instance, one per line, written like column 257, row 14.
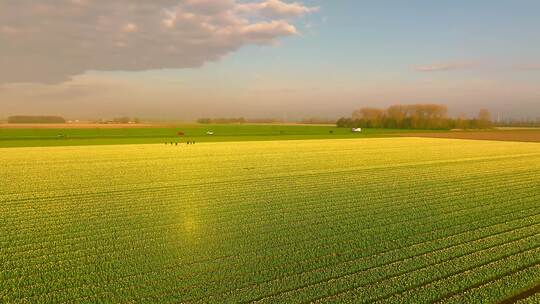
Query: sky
column 185, row 59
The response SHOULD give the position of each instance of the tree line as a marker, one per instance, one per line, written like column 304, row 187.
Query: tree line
column 416, row 116
column 519, row 123
column 237, row 120
column 233, row 120
column 118, row 120
column 35, row 119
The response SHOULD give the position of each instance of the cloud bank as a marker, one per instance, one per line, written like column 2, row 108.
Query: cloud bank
column 50, row 41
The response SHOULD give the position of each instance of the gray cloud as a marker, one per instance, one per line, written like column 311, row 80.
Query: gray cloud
column 51, row 41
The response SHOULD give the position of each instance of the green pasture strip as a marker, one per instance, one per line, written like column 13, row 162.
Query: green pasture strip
column 40, row 137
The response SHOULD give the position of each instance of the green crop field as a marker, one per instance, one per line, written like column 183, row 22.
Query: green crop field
column 388, row 220
column 100, row 135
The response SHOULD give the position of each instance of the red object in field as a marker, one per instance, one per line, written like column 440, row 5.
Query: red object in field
column 181, row 134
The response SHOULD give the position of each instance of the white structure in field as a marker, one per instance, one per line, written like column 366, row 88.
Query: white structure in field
column 357, row 130
column 210, row 133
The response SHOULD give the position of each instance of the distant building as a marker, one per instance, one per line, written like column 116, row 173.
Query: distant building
column 356, row 130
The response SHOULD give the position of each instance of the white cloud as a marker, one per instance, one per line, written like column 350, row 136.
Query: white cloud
column 50, row 41
column 277, row 8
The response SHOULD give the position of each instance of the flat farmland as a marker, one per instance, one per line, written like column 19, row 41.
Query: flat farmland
column 386, row 220
column 509, row 134
column 14, row 135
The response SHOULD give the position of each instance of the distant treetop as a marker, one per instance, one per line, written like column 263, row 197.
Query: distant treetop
column 416, row 116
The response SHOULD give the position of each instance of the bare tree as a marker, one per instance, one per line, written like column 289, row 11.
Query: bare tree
column 484, row 119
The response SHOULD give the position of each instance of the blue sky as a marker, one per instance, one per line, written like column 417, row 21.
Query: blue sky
column 346, row 54
column 392, row 37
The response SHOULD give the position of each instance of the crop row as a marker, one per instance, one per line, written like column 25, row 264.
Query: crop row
column 383, row 230
column 500, row 287
column 336, row 180
column 528, row 221
column 88, row 200
column 319, row 271
column 371, row 220
column 141, row 185
column 470, row 253
column 409, row 201
column 227, row 169
column 501, row 226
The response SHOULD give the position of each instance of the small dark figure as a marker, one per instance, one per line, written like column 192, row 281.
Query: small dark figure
column 331, row 132
column 176, row 144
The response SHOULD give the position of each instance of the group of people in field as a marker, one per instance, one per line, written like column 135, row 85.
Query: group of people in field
column 176, row 143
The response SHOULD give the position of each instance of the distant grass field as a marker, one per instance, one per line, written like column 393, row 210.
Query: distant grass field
column 45, row 136
column 387, row 220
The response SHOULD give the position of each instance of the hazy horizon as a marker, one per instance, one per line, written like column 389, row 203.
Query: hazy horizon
column 186, row 59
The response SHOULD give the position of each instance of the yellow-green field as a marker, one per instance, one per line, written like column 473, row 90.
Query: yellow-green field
column 397, row 220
